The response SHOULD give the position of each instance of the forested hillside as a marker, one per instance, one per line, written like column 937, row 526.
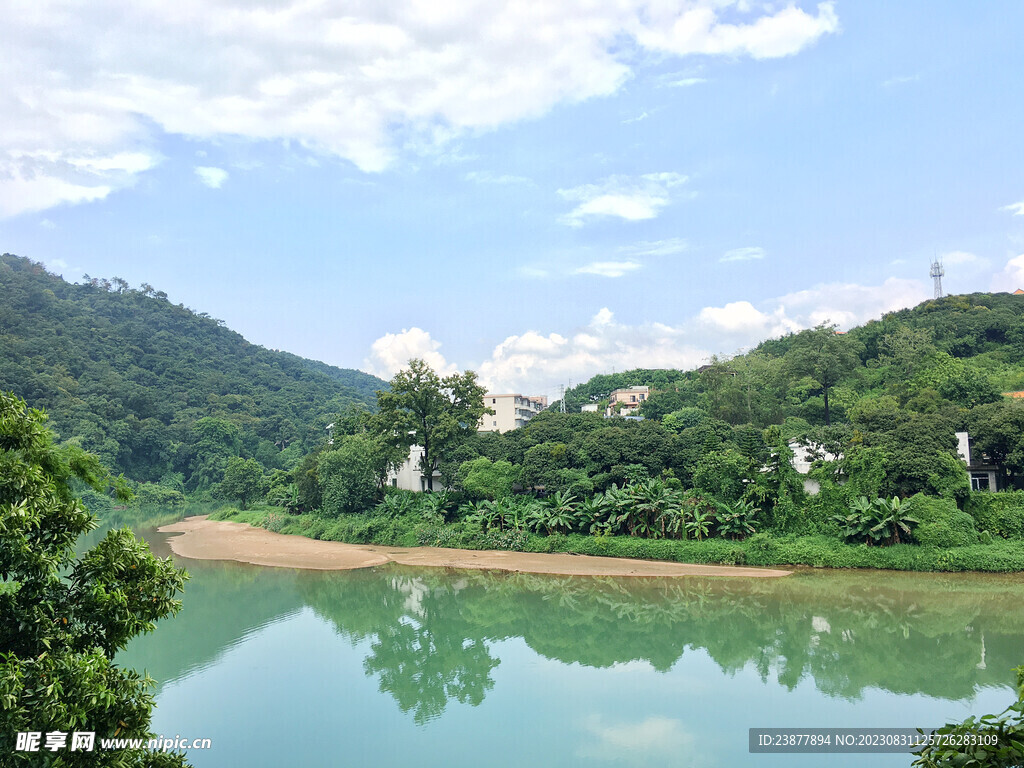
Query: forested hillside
column 157, row 390
column 889, row 394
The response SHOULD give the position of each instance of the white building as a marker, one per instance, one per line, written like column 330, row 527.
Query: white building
column 510, row 411
column 803, row 457
column 408, row 477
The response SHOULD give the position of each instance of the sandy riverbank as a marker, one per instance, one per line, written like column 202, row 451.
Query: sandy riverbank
column 204, row 539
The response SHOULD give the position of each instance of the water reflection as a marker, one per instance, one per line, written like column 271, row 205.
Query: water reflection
column 846, row 631
column 430, row 636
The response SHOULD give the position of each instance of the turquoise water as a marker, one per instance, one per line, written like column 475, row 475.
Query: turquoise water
column 428, row 667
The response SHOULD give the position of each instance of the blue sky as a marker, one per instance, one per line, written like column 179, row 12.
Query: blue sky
column 537, row 191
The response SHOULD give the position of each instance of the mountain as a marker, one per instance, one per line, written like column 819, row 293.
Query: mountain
column 156, row 389
column 951, row 354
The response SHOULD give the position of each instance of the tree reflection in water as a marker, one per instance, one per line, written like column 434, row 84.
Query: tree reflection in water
column 432, row 631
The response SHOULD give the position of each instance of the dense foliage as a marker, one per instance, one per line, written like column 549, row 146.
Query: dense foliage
column 64, row 617
column 156, row 389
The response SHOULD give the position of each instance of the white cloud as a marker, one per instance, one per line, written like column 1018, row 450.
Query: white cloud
column 103, row 78
column 744, row 254
column 667, row 247
column 686, row 82
column 695, row 28
column 743, row 317
column 392, row 352
column 1012, row 276
column 212, row 177
column 1017, row 209
column 963, row 258
column 850, row 304
column 608, row 268
column 539, row 362
column 900, row 80
column 633, row 198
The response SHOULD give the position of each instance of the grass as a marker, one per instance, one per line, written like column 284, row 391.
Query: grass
column 762, row 549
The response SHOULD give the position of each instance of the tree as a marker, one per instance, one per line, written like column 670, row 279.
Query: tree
column 348, row 475
column 64, row 617
column 243, row 481
column 437, row 414
column 484, row 479
column 824, row 356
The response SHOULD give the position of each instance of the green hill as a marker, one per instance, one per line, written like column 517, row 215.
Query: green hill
column 156, row 389
column 900, row 386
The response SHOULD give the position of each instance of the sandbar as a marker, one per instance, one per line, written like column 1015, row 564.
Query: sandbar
column 204, row 539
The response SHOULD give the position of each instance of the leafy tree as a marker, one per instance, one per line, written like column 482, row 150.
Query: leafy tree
column 684, row 418
column 905, row 349
column 486, row 479
column 348, row 475
column 65, row 616
column 437, row 414
column 243, row 481
column 825, row 357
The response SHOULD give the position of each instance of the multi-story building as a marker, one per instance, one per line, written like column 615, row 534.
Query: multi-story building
column 626, row 401
column 510, row 411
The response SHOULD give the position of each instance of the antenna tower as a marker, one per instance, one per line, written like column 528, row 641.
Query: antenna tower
column 936, row 274
column 561, row 403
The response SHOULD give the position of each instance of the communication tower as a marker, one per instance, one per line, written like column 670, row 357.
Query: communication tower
column 937, row 273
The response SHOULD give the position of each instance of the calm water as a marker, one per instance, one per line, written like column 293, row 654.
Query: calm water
column 415, row 667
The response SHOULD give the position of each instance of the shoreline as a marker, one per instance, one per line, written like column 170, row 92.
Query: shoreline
column 203, row 539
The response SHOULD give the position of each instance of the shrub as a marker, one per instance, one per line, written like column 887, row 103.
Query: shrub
column 942, row 524
column 1000, row 513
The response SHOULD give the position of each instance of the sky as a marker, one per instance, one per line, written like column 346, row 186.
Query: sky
column 536, row 191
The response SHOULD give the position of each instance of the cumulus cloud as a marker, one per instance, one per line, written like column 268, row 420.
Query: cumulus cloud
column 608, row 268
column 1011, row 278
column 850, row 304
column 696, row 28
column 210, row 176
column 1017, row 209
column 392, row 352
column 101, row 78
column 743, row 317
column 40, row 179
column 744, row 254
column 539, row 362
column 633, row 198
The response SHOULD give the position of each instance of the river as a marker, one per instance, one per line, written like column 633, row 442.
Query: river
column 396, row 666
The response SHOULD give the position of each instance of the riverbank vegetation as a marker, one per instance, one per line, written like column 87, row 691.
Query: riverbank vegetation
column 191, row 412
